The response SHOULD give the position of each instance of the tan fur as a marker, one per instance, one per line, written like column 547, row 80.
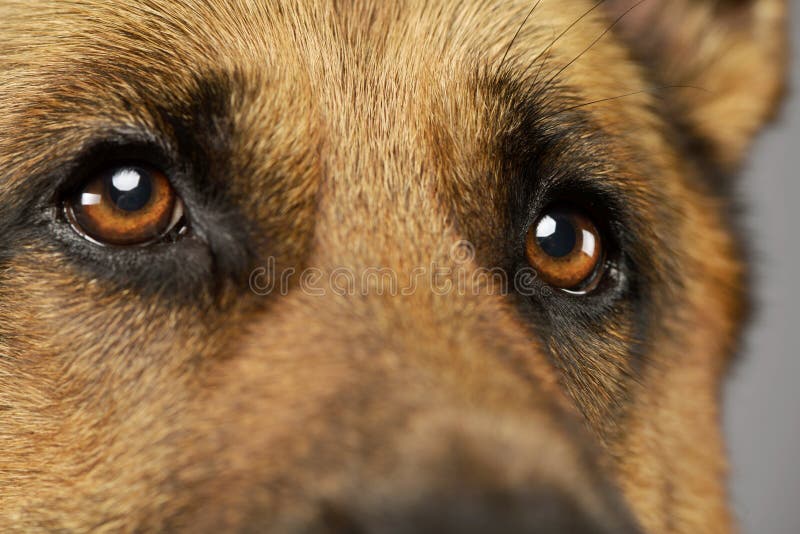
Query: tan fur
column 366, row 134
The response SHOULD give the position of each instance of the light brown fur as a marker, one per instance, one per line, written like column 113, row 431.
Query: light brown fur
column 364, row 134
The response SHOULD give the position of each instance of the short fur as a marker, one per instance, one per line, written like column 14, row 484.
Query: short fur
column 151, row 389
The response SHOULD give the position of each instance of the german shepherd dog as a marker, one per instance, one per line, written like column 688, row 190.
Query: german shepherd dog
column 373, row 266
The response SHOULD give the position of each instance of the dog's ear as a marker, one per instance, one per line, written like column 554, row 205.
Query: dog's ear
column 721, row 64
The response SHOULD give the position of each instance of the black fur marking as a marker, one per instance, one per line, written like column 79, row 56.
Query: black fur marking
column 192, row 148
column 551, row 153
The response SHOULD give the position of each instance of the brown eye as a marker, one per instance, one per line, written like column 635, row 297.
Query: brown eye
column 566, row 250
column 125, row 205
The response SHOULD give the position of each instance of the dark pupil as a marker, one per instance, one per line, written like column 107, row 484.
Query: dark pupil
column 556, row 235
column 130, row 188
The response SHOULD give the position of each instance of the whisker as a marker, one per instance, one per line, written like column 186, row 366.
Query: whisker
column 618, row 97
column 592, row 102
column 542, row 63
column 541, row 67
column 519, row 30
column 593, row 43
column 567, row 30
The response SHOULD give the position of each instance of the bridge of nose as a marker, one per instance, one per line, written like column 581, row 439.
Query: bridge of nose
column 405, row 145
column 343, row 375
column 399, row 415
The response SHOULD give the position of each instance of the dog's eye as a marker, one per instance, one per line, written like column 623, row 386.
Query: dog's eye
column 125, row 205
column 566, row 249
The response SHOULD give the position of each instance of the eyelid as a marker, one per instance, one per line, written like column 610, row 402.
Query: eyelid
column 103, row 148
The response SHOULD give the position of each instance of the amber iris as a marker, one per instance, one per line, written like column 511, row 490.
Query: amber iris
column 565, row 248
column 125, row 205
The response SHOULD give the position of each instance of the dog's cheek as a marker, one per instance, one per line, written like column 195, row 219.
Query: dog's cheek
column 94, row 390
column 672, row 461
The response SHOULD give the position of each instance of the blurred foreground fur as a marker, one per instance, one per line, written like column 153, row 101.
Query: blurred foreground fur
column 154, row 390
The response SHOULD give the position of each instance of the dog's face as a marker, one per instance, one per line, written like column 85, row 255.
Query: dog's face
column 372, row 266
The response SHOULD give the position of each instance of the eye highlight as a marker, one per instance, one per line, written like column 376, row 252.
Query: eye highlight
column 566, row 249
column 125, row 205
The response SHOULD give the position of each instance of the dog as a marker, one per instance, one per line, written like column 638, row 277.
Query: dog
column 364, row 266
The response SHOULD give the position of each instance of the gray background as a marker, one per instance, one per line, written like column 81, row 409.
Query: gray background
column 762, row 418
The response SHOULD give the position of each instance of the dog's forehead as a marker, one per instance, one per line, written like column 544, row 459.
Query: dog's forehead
column 389, row 103
column 177, row 29
column 341, row 55
column 351, row 71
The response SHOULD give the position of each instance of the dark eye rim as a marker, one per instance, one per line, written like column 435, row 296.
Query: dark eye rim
column 178, row 228
column 609, row 278
column 177, row 231
column 121, row 148
column 214, row 252
column 591, row 280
